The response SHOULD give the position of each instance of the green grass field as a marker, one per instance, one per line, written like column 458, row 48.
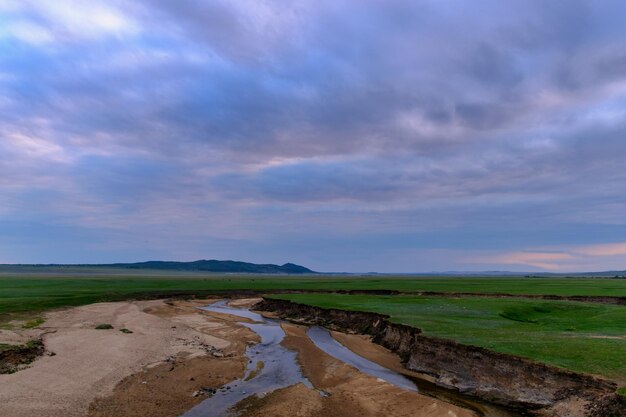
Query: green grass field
column 579, row 336
column 584, row 337
column 31, row 293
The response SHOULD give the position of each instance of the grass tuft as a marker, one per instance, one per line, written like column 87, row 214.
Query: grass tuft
column 36, row 322
column 34, row 344
column 4, row 347
column 259, row 367
column 104, row 326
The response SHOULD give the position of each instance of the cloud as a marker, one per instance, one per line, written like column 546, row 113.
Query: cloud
column 43, row 24
column 609, row 249
column 480, row 127
column 571, row 258
column 542, row 260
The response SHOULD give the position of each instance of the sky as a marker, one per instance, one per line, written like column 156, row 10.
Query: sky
column 344, row 135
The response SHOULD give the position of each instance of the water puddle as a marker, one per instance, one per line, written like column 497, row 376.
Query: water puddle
column 270, row 367
column 325, row 341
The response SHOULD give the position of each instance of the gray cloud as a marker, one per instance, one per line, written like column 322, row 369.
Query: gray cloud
column 350, row 116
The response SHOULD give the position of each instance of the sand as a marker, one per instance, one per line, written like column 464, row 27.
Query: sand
column 351, row 393
column 89, row 363
column 175, row 353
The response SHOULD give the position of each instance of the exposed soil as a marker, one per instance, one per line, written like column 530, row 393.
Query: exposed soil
column 499, row 378
column 13, row 358
column 602, row 299
column 173, row 387
column 175, row 358
column 168, row 389
column 347, row 391
column 178, row 355
column 612, row 405
column 363, row 346
column 251, row 293
column 90, row 363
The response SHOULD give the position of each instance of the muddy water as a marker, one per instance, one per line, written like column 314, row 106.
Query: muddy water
column 325, row 341
column 280, row 369
column 270, row 367
column 483, row 408
column 322, row 338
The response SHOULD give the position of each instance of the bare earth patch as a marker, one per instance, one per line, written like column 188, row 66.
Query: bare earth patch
column 89, row 363
column 176, row 356
column 352, row 393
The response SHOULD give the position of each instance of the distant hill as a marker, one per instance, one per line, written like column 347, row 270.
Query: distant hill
column 217, row 266
column 601, row 274
column 194, row 266
column 214, row 266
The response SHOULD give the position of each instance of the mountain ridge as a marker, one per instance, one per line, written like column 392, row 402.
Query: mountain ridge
column 202, row 265
column 213, row 265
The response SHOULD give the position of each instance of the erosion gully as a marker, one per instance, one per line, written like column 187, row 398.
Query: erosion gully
column 272, row 366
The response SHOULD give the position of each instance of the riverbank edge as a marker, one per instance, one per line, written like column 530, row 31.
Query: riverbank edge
column 533, row 388
column 601, row 299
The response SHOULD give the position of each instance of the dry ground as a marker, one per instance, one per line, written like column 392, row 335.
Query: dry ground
column 352, row 393
column 90, row 363
column 175, row 350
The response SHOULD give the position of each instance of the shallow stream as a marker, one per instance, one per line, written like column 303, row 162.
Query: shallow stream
column 322, row 338
column 272, row 366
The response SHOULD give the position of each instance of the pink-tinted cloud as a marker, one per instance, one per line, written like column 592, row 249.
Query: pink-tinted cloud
column 543, row 260
column 570, row 259
column 344, row 134
column 609, row 249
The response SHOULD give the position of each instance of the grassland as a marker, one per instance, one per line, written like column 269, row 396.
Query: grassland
column 579, row 336
column 583, row 337
column 21, row 293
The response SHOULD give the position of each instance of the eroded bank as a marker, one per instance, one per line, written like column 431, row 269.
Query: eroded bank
column 515, row 382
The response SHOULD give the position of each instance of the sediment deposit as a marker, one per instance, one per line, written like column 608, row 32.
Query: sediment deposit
column 178, row 356
column 516, row 382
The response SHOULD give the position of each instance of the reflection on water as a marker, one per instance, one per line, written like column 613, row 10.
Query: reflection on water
column 324, row 340
column 279, row 368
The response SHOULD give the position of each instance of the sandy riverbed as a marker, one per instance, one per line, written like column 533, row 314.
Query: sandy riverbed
column 174, row 352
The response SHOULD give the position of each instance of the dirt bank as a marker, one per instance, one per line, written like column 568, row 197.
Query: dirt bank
column 499, row 378
column 171, row 388
column 177, row 355
column 347, row 392
column 606, row 299
column 90, row 363
column 15, row 357
column 174, row 358
column 250, row 293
